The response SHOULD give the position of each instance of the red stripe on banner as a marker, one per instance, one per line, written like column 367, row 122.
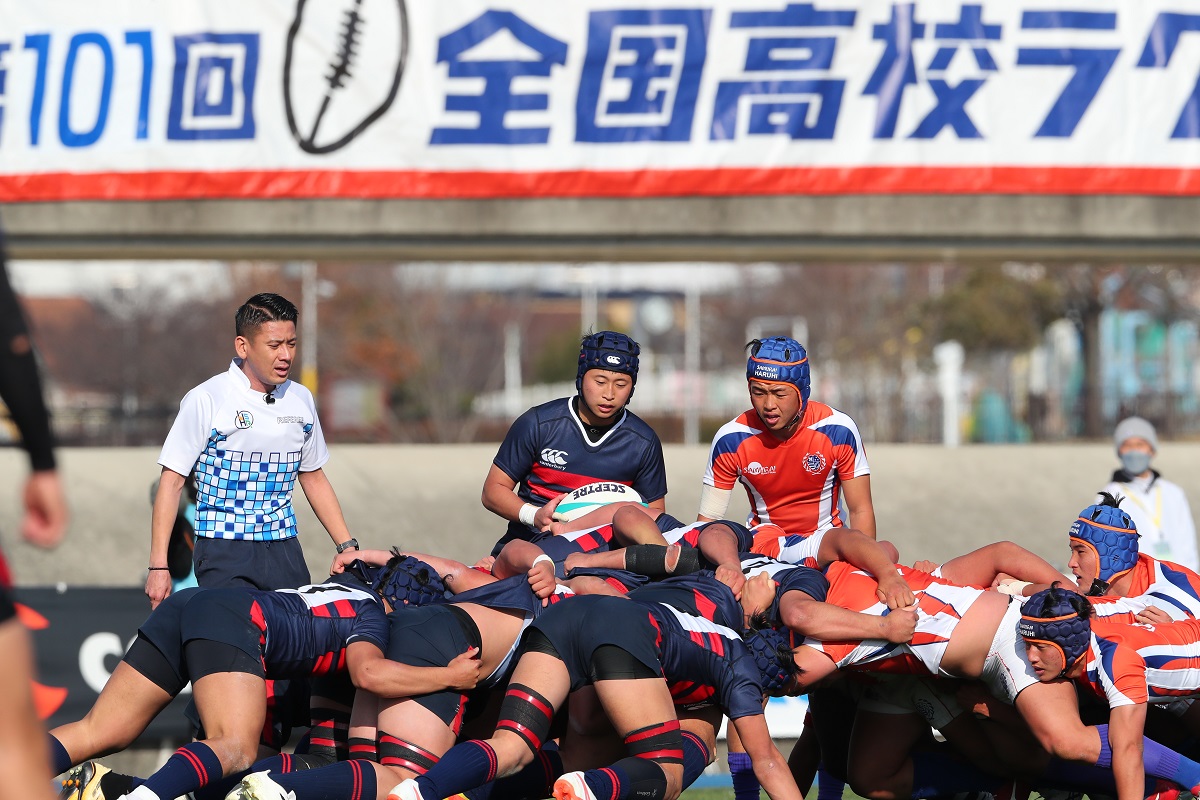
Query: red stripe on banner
column 980, row 179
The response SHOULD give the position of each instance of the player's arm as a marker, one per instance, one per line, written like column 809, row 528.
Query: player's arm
column 371, row 671
column 1126, row 725
column 719, row 544
column 45, row 520
column 827, row 622
column 770, row 767
column 855, row 547
column 982, row 567
column 325, row 505
column 162, row 520
column 857, row 493
column 519, row 557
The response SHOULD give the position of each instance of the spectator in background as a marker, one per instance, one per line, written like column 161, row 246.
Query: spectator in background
column 24, row 760
column 248, row 435
column 1158, row 507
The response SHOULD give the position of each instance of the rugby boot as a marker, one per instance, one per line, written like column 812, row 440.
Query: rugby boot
column 405, row 790
column 259, row 786
column 83, row 782
column 572, row 786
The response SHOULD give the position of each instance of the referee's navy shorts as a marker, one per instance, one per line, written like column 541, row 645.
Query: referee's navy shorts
column 268, row 566
column 577, row 627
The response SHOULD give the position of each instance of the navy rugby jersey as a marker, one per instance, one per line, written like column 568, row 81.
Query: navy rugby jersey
column 699, row 594
column 787, row 577
column 705, row 663
column 547, row 453
column 306, row 631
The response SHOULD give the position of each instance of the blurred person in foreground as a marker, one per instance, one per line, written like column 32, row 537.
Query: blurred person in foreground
column 1158, row 507
column 24, row 760
column 248, row 435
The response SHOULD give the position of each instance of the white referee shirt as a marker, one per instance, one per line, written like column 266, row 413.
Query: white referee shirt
column 246, row 454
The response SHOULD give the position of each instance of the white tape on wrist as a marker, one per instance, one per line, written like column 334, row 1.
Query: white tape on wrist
column 527, row 513
column 541, row 558
column 1013, row 588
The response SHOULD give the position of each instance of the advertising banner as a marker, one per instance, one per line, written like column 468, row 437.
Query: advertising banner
column 141, row 99
column 80, row 636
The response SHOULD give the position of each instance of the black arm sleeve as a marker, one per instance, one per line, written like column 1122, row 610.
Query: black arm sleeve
column 20, row 385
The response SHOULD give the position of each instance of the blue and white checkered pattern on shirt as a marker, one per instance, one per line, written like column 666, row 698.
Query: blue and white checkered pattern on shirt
column 245, row 495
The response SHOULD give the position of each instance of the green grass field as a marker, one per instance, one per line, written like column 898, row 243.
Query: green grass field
column 727, row 794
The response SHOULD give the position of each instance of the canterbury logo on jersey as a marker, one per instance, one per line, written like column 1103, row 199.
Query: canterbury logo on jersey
column 554, row 458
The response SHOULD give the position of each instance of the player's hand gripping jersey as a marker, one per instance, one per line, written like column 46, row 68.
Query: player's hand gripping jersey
column 794, row 483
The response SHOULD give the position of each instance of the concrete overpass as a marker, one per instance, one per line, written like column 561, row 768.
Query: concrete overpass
column 1094, row 228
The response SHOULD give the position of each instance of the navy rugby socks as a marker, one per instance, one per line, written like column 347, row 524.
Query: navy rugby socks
column 627, row 778
column 935, row 775
column 464, row 767
column 190, row 767
column 345, row 780
column 536, row 780
column 695, row 758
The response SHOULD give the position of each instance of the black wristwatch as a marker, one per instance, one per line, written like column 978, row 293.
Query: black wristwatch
column 346, row 545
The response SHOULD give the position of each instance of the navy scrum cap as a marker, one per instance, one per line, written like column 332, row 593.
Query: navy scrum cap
column 769, row 646
column 780, row 360
column 408, row 581
column 608, row 350
column 1111, row 535
column 1050, row 618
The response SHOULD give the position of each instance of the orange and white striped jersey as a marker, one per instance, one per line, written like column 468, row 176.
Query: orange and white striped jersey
column 940, row 607
column 794, row 483
column 1135, row 664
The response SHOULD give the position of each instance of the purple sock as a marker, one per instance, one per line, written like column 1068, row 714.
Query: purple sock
column 1077, row 776
column 1161, row 762
column 935, row 775
column 695, row 758
column 1105, row 758
column 345, row 780
column 829, row 787
column 464, row 767
column 741, row 770
column 60, row 760
column 190, row 767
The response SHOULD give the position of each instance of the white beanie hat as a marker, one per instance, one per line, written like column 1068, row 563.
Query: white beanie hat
column 1135, row 427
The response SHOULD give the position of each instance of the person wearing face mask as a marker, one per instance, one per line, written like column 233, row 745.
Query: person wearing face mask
column 1158, row 507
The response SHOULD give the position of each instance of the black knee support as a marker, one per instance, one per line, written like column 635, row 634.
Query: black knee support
column 661, row 742
column 527, row 714
column 395, row 752
column 330, row 729
column 647, row 559
column 647, row 781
